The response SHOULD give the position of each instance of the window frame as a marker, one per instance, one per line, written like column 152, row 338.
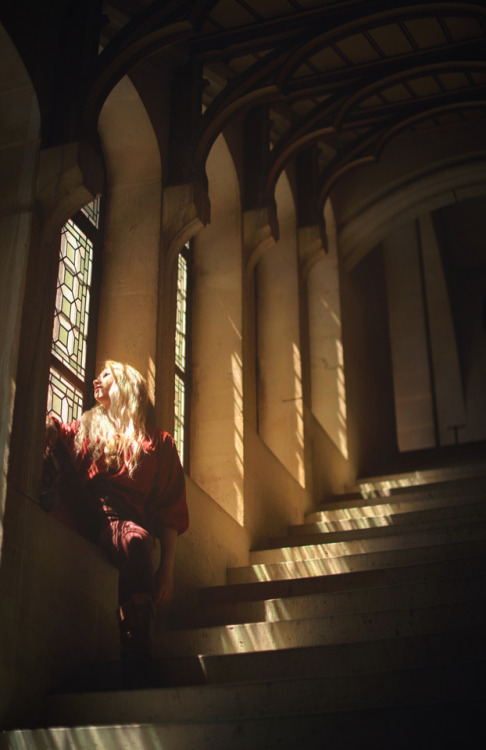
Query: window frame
column 94, row 234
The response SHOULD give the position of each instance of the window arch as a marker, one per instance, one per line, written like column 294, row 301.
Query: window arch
column 73, row 340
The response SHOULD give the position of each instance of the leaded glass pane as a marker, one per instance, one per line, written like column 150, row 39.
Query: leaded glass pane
column 72, row 299
column 181, row 320
column 63, row 400
column 92, row 212
column 179, row 414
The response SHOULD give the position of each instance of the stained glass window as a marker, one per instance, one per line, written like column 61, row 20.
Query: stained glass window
column 92, row 212
column 179, row 415
column 72, row 299
column 63, row 400
column 181, row 355
column 181, row 320
column 69, row 350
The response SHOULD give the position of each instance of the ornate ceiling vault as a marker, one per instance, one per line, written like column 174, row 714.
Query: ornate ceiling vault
column 340, row 77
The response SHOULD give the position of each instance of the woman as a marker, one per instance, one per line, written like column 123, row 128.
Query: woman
column 122, row 485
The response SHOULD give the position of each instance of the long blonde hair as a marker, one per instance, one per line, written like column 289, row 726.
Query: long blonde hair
column 119, row 430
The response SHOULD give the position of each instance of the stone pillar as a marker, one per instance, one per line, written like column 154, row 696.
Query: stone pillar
column 328, row 392
column 449, row 394
column 280, row 397
column 19, row 153
column 408, row 335
column 128, row 302
column 216, row 451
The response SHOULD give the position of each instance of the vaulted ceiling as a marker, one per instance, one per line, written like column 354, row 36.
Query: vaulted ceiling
column 344, row 75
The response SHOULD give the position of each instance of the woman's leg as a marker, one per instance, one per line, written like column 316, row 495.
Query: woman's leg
column 130, row 547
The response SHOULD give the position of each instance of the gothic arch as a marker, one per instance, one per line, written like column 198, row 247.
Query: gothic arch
column 128, row 305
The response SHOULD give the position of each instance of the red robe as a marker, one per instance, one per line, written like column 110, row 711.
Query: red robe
column 155, row 493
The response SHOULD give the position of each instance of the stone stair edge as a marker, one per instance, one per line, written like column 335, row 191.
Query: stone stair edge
column 426, row 475
column 440, row 536
column 203, row 617
column 408, row 497
column 404, row 512
column 338, row 659
column 398, row 725
column 342, row 626
column 263, row 698
column 284, row 587
column 369, row 532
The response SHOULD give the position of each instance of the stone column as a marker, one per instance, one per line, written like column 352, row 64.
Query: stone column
column 408, row 335
column 449, row 394
column 280, row 397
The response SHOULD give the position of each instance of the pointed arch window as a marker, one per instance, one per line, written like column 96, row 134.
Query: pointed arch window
column 182, row 355
column 73, row 340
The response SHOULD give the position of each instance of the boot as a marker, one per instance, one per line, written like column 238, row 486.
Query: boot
column 135, row 620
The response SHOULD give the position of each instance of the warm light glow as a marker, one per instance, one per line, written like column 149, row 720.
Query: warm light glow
column 327, row 358
column 237, row 377
column 299, row 411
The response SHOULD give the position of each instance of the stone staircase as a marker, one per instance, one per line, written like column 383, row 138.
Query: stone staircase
column 364, row 626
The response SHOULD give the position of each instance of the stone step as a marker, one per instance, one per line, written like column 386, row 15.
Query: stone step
column 418, row 519
column 317, row 547
column 319, row 566
column 388, row 654
column 270, row 698
column 447, row 725
column 464, row 563
column 367, row 599
column 410, row 652
column 404, row 502
column 262, row 636
column 403, row 535
column 450, row 474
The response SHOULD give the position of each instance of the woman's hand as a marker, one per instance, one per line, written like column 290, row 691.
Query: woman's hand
column 51, row 435
column 164, row 586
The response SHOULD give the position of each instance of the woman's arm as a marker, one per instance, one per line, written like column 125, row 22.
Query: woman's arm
column 51, row 434
column 164, row 575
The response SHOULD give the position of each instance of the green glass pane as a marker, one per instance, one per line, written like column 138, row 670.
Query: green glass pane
column 72, row 298
column 63, row 400
column 179, row 404
column 92, row 212
column 181, row 314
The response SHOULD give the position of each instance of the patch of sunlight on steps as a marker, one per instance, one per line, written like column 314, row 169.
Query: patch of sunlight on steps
column 308, row 550
column 363, row 508
column 409, row 594
column 353, row 519
column 455, row 725
column 294, row 695
column 339, row 628
column 320, row 566
column 463, row 475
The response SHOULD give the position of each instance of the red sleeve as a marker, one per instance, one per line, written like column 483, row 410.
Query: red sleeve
column 66, row 431
column 166, row 505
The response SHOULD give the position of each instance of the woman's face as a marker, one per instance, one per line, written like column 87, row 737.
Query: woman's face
column 102, row 385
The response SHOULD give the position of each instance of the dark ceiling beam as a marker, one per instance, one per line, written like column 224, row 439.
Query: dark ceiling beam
column 393, row 130
column 317, row 84
column 240, row 94
column 259, row 36
column 368, row 148
column 361, row 24
column 262, row 35
column 380, row 86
